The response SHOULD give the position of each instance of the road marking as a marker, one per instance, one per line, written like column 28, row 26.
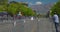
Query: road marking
column 38, row 19
column 32, row 18
column 14, row 23
column 24, row 21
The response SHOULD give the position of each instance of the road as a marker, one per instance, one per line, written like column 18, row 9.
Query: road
column 8, row 26
column 40, row 25
column 27, row 25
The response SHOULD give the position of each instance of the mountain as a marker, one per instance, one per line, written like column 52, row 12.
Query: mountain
column 42, row 9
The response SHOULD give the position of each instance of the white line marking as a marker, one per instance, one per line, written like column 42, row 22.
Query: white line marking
column 14, row 23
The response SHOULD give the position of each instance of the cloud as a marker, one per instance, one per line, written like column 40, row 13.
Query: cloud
column 38, row 3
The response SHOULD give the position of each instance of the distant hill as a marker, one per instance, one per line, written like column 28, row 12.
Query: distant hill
column 42, row 9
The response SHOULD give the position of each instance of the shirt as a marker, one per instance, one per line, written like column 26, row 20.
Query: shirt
column 56, row 19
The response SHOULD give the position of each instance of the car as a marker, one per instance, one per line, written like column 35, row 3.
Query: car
column 3, row 15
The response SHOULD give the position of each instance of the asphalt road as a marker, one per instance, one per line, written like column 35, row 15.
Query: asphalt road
column 9, row 26
column 27, row 25
column 40, row 25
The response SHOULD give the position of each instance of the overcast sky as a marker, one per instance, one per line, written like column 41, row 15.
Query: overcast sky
column 32, row 2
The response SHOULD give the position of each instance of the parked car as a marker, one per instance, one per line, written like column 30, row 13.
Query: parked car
column 3, row 15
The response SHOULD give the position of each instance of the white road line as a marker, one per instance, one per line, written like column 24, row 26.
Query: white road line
column 24, row 21
column 14, row 23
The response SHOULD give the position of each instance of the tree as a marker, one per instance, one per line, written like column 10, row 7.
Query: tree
column 26, row 11
column 2, row 2
column 12, row 9
column 56, row 8
column 3, row 5
column 15, row 7
column 23, row 3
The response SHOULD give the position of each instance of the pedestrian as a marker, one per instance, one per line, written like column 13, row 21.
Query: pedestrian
column 56, row 21
column 19, row 15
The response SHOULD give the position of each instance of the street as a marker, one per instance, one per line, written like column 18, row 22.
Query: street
column 27, row 25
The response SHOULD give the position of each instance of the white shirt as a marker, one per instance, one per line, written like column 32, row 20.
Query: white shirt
column 56, row 18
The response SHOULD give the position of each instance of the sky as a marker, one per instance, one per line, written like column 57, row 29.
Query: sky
column 34, row 2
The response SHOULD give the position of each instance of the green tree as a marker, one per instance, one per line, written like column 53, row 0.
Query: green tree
column 14, row 7
column 3, row 5
column 26, row 11
column 2, row 2
column 56, row 8
column 3, row 8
